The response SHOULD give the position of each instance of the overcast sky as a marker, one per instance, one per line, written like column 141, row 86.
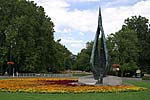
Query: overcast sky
column 76, row 20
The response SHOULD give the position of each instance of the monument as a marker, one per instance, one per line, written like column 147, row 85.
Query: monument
column 99, row 61
column 99, row 57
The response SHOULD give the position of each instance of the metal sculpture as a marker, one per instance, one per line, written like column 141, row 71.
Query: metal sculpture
column 99, row 57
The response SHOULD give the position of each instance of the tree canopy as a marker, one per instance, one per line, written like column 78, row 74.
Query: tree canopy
column 27, row 38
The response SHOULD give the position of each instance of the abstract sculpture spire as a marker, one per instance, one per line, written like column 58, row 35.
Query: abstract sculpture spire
column 99, row 57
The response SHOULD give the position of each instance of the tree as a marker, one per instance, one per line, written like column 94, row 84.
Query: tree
column 27, row 33
column 130, row 44
column 63, row 57
column 141, row 26
column 123, row 49
column 126, row 44
column 129, row 67
column 83, row 58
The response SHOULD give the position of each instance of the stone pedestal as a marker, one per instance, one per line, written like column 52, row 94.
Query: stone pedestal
column 88, row 80
column 112, row 80
column 108, row 81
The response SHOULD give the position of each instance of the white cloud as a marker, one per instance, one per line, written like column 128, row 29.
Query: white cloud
column 72, row 44
column 77, row 45
column 71, row 41
column 85, row 21
column 82, row 0
column 52, row 3
column 81, row 33
column 113, row 18
column 68, row 40
column 82, row 20
column 65, row 30
column 61, row 16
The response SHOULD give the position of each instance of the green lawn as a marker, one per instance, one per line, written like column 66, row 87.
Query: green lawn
column 138, row 83
column 142, row 95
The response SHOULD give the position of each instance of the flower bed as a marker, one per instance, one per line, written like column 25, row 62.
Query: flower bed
column 57, row 85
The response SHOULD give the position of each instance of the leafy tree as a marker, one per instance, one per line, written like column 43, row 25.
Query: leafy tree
column 128, row 67
column 126, row 45
column 123, row 49
column 27, row 34
column 83, row 58
column 141, row 26
column 63, row 57
column 130, row 44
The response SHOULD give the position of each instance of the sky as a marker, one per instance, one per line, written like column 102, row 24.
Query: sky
column 76, row 20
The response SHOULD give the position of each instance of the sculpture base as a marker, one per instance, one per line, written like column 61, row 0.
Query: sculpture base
column 112, row 80
column 88, row 80
column 108, row 81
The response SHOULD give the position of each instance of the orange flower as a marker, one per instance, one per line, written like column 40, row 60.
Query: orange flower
column 57, row 85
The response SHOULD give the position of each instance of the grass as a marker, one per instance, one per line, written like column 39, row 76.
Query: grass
column 142, row 95
column 146, row 78
column 138, row 83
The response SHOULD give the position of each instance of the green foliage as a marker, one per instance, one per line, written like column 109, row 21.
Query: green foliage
column 141, row 26
column 123, row 50
column 123, row 47
column 28, row 35
column 146, row 78
column 129, row 46
column 83, row 58
column 63, row 58
column 131, row 66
